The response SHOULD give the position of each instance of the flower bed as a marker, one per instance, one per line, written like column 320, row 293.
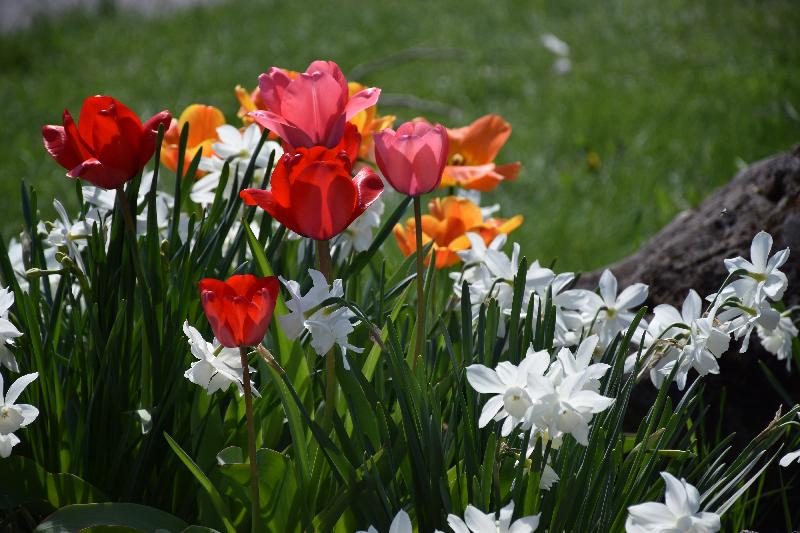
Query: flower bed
column 462, row 387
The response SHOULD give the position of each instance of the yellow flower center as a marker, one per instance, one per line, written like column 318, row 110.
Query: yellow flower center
column 457, row 159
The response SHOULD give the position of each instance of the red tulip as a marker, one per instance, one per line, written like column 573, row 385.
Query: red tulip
column 313, row 193
column 413, row 157
column 239, row 309
column 310, row 109
column 108, row 147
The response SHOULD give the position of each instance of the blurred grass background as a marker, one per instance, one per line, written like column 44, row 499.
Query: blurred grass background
column 665, row 100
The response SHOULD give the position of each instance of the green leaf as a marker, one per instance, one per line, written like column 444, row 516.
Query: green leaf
column 126, row 515
column 33, row 484
column 211, row 490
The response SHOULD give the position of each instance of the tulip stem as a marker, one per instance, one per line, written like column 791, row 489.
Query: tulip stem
column 251, row 438
column 420, row 283
column 331, row 387
column 130, row 226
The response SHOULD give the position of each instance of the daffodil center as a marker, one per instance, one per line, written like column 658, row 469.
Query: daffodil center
column 4, row 412
column 516, row 402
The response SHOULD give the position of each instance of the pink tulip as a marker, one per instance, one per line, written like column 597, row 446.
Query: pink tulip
column 311, row 108
column 413, row 157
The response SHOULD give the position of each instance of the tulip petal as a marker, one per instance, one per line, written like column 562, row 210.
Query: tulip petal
column 314, row 103
column 60, row 147
column 271, row 85
column 203, row 122
column 266, row 200
column 480, row 142
column 149, row 135
column 99, row 174
column 277, row 124
column 362, row 100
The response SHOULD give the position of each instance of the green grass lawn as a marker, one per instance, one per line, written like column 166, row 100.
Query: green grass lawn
column 672, row 96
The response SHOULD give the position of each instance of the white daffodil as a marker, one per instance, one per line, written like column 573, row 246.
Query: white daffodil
column 566, row 407
column 217, row 367
column 763, row 268
column 507, row 382
column 476, row 521
column 778, row 340
column 707, row 343
column 607, row 312
column 71, row 235
column 14, row 416
column 237, row 148
column 400, row 524
column 745, row 307
column 329, row 325
column 490, row 274
column 789, row 458
column 103, row 201
column 681, row 512
column 569, row 364
column 358, row 236
column 8, row 331
column 688, row 341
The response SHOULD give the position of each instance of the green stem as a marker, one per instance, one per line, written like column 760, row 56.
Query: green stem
column 251, row 438
column 331, row 387
column 420, row 283
column 130, row 226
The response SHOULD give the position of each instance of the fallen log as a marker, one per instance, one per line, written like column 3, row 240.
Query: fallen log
column 689, row 252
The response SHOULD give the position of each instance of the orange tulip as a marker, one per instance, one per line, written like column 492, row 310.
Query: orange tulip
column 203, row 122
column 447, row 225
column 473, row 150
column 368, row 122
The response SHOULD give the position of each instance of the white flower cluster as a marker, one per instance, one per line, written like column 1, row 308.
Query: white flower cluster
column 327, row 325
column 549, row 398
column 236, row 148
column 686, row 339
column 474, row 521
column 692, row 339
column 69, row 236
column 490, row 274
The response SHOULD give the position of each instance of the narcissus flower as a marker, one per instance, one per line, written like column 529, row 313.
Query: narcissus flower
column 313, row 192
column 413, row 157
column 447, row 225
column 216, row 367
column 108, row 146
column 14, row 416
column 8, row 331
column 680, row 513
column 203, row 122
column 312, row 109
column 476, row 521
column 240, row 308
column 473, row 150
column 400, row 524
column 367, row 122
